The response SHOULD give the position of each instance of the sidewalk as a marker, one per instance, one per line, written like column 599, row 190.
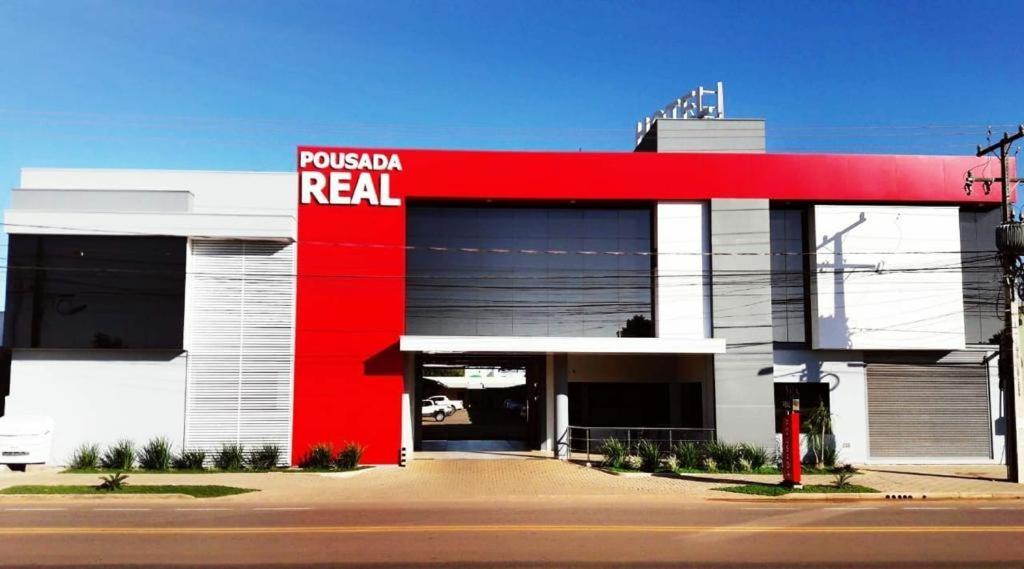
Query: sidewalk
column 501, row 480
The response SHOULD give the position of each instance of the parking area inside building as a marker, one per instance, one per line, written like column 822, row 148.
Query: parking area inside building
column 481, row 398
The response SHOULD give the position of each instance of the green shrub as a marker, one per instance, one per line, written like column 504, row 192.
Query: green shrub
column 85, row 457
column 156, row 455
column 842, row 479
column 230, row 457
column 650, row 455
column 120, row 456
column 709, row 464
column 726, row 455
column 757, row 456
column 689, row 454
column 190, row 460
column 113, row 482
column 350, row 456
column 319, row 457
column 614, row 452
column 264, row 457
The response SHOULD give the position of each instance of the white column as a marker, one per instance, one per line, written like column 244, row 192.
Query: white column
column 548, row 444
column 561, row 372
column 408, row 392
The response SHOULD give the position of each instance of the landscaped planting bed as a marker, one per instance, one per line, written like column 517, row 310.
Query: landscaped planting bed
column 158, row 457
column 697, row 457
column 780, row 489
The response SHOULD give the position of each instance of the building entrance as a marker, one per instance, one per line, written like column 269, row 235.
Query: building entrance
column 465, row 399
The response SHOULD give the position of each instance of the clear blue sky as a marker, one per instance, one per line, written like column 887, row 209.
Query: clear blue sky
column 237, row 85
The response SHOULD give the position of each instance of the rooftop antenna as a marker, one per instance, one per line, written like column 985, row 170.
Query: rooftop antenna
column 689, row 106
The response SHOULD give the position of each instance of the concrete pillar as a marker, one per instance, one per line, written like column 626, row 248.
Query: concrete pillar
column 548, row 444
column 561, row 372
column 742, row 314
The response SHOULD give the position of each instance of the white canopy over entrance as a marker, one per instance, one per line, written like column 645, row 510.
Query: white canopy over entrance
column 564, row 345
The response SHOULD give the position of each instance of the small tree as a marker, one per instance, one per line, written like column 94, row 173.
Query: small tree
column 638, row 326
column 819, row 426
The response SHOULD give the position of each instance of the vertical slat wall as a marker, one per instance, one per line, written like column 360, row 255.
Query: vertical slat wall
column 241, row 297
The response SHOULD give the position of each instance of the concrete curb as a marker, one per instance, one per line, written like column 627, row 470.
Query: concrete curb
column 873, row 497
column 94, row 497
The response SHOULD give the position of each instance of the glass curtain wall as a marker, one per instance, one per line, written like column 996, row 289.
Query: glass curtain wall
column 788, row 278
column 528, row 271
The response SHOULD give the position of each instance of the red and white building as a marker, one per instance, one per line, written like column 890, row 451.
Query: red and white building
column 692, row 285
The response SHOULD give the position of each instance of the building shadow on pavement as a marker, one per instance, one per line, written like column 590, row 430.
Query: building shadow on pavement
column 965, row 476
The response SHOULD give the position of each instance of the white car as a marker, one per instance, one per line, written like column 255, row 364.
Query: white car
column 25, row 440
column 452, row 404
column 429, row 408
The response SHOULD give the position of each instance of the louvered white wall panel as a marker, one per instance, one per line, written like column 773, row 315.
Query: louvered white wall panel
column 241, row 298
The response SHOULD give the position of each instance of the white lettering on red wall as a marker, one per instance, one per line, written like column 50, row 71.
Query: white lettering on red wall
column 347, row 178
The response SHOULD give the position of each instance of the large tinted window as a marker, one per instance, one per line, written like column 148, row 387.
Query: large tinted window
column 95, row 292
column 528, row 271
column 789, row 292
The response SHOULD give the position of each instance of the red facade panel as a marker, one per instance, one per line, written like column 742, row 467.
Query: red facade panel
column 350, row 310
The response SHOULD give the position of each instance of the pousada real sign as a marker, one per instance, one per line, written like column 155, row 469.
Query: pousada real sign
column 347, row 178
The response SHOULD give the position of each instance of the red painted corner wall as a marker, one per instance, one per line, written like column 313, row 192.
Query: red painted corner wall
column 350, row 312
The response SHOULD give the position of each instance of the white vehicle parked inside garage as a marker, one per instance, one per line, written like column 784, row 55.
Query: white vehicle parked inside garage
column 429, row 408
column 452, row 404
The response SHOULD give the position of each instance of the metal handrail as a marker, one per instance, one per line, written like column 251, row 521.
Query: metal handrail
column 589, row 439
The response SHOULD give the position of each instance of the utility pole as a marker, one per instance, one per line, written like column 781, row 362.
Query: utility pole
column 1007, row 236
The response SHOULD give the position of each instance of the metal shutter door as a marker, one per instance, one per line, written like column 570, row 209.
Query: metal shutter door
column 929, row 411
column 241, row 297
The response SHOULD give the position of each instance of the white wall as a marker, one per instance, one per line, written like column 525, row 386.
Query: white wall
column 846, row 377
column 876, row 285
column 269, row 193
column 100, row 397
column 682, row 289
column 252, row 205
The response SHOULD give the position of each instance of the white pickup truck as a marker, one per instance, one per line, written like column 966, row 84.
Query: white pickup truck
column 429, row 408
column 452, row 405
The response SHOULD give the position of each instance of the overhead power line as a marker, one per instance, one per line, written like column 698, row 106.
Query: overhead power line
column 97, row 231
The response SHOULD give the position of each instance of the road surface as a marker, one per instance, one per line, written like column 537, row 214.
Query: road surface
column 535, row 533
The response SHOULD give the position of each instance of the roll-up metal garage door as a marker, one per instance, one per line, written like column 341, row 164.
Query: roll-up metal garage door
column 929, row 411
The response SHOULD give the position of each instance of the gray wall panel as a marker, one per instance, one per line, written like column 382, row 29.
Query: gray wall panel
column 982, row 274
column 742, row 313
column 728, row 135
column 102, row 200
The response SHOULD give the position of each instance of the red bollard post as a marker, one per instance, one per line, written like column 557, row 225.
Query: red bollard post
column 791, row 446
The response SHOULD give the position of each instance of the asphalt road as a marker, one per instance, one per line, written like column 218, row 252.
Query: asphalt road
column 562, row 533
